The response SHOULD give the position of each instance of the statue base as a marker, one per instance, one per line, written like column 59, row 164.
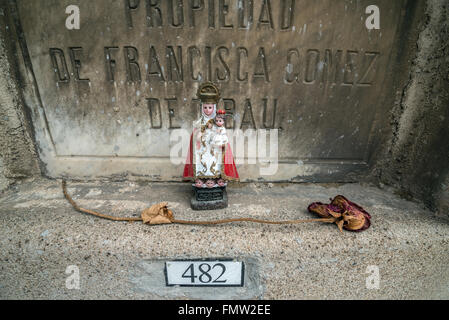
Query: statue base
column 209, row 199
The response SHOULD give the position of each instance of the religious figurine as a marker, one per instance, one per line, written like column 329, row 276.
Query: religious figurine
column 210, row 163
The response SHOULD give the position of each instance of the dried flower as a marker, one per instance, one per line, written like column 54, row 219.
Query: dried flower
column 348, row 215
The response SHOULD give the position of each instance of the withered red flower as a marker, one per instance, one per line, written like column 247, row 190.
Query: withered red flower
column 348, row 215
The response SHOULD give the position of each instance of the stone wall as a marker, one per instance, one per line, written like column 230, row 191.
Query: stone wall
column 18, row 157
column 442, row 199
column 416, row 159
column 117, row 97
column 413, row 156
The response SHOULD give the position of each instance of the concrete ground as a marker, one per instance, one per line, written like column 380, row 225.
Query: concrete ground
column 41, row 236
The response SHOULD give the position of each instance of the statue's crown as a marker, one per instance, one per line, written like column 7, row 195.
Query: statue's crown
column 208, row 93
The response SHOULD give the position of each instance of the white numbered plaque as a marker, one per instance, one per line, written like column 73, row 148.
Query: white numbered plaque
column 204, row 273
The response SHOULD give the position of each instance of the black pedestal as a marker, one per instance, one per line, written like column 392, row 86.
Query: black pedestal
column 209, row 199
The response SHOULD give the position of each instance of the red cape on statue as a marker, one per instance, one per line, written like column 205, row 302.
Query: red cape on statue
column 230, row 170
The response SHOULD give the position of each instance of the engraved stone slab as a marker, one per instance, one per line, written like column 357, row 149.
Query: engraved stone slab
column 106, row 99
column 148, row 277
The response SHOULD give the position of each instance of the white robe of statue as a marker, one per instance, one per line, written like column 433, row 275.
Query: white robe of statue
column 207, row 148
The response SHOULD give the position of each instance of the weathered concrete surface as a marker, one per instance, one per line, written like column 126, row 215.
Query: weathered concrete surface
column 40, row 235
column 18, row 158
column 4, row 182
column 106, row 98
column 442, row 197
column 416, row 160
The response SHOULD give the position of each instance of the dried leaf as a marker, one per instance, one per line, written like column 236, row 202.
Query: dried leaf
column 355, row 223
column 340, row 225
column 157, row 214
column 320, row 209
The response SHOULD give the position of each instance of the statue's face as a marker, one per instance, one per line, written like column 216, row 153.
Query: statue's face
column 221, row 182
column 208, row 109
column 219, row 122
column 210, row 183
